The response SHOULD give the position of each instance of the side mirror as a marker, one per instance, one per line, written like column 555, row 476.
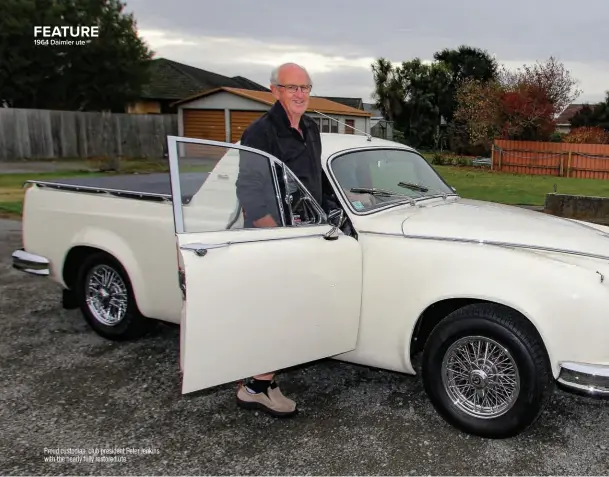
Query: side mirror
column 336, row 218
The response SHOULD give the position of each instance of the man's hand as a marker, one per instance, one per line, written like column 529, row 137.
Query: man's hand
column 266, row 221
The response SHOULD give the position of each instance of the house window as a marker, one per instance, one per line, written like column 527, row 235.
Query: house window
column 350, row 123
column 333, row 126
column 325, row 125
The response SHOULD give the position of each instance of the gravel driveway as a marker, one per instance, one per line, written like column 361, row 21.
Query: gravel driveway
column 65, row 388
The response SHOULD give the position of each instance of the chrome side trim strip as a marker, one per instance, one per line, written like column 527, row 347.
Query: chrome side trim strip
column 371, row 232
column 493, row 243
column 198, row 245
column 31, row 263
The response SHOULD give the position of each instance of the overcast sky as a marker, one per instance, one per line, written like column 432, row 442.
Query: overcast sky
column 337, row 40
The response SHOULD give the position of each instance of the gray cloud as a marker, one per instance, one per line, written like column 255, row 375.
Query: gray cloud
column 340, row 36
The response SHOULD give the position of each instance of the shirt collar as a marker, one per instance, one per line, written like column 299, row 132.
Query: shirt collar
column 279, row 115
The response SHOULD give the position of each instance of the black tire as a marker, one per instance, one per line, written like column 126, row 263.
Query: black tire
column 132, row 324
column 510, row 330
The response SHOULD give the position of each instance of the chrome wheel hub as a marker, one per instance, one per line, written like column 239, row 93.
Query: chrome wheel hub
column 106, row 295
column 480, row 377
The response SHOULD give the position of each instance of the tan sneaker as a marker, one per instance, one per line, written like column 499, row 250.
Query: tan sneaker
column 272, row 402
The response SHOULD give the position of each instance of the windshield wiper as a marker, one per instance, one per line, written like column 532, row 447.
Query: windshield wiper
column 410, row 185
column 380, row 192
column 420, row 188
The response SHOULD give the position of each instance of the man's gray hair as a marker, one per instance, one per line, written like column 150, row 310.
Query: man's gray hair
column 275, row 73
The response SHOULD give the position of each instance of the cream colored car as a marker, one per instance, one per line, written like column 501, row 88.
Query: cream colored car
column 492, row 305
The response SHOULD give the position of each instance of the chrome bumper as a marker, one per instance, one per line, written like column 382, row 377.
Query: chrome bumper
column 31, row 263
column 589, row 379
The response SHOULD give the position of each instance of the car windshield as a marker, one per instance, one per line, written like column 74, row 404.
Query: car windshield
column 372, row 178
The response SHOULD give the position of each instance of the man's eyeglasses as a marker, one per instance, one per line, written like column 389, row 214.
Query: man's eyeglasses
column 292, row 88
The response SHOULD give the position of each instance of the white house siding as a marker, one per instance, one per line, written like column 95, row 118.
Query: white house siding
column 361, row 123
column 224, row 100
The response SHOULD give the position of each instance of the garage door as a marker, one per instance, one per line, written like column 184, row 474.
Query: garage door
column 205, row 124
column 240, row 120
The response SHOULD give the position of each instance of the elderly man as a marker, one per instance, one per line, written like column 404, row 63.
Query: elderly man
column 286, row 133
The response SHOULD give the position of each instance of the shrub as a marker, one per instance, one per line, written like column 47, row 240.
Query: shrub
column 587, row 135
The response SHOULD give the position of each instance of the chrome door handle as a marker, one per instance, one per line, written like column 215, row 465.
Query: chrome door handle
column 201, row 249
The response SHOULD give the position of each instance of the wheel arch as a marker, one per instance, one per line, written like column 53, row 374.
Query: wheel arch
column 74, row 258
column 438, row 310
column 90, row 242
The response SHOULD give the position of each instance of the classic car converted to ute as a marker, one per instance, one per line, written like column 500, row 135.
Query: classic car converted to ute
column 491, row 305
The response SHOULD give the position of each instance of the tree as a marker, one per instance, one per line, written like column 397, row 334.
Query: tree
column 526, row 113
column 551, row 77
column 389, row 92
column 593, row 115
column 104, row 74
column 411, row 95
column 416, row 95
column 464, row 64
column 479, row 110
column 518, row 105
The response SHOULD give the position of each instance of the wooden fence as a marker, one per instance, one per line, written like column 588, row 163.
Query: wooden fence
column 584, row 161
column 45, row 134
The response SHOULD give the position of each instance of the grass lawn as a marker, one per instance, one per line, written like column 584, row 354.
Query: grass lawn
column 514, row 189
column 473, row 183
column 11, row 188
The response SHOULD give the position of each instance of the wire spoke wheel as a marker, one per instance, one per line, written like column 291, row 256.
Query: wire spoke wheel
column 106, row 295
column 480, row 377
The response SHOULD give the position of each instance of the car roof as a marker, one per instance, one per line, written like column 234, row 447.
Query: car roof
column 332, row 143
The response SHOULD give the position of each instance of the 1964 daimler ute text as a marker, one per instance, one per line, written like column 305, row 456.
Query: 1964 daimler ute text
column 496, row 303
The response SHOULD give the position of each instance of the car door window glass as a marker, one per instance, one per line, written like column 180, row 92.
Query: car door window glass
column 227, row 188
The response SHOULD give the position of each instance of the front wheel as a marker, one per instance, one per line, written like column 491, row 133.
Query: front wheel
column 486, row 371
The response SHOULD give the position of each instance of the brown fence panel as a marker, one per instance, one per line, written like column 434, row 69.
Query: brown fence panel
column 50, row 134
column 586, row 161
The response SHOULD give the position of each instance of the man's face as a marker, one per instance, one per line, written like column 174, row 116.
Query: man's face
column 289, row 91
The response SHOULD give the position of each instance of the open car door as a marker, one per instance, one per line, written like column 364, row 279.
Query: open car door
column 257, row 298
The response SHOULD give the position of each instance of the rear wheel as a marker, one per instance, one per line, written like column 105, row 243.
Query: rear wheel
column 486, row 371
column 106, row 299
